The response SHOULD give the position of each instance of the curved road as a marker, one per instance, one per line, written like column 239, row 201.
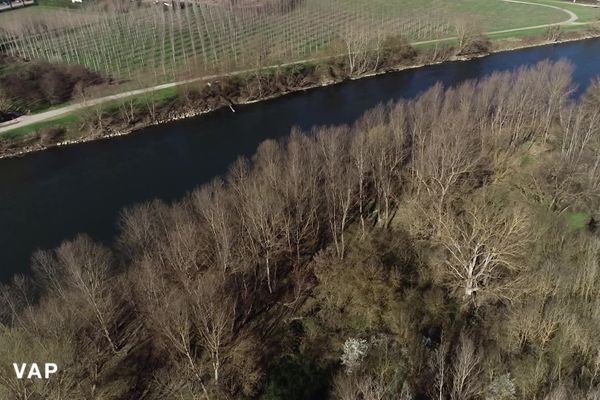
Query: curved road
column 57, row 112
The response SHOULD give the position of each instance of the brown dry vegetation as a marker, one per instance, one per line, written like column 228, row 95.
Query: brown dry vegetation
column 421, row 253
column 32, row 86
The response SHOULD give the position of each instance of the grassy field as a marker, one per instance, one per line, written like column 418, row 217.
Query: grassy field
column 499, row 15
column 157, row 45
column 490, row 14
column 585, row 14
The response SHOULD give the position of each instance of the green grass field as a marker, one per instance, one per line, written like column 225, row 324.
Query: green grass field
column 158, row 45
column 491, row 14
column 585, row 14
column 499, row 15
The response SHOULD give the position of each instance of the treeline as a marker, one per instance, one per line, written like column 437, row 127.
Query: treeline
column 433, row 250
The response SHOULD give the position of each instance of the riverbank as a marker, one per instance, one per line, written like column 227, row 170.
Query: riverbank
column 200, row 97
column 74, row 189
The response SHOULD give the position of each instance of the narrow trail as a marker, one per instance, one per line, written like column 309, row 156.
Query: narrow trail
column 57, row 112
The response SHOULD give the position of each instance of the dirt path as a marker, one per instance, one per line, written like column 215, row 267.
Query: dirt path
column 55, row 113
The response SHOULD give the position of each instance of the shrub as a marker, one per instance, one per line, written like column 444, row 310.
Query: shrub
column 32, row 86
column 295, row 378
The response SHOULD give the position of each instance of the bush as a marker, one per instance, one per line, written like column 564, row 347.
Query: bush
column 32, row 86
column 295, row 378
column 397, row 50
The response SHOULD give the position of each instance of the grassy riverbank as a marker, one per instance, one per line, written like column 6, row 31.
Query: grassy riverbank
column 505, row 31
column 132, row 113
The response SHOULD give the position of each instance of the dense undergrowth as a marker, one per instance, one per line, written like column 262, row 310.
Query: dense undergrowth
column 37, row 85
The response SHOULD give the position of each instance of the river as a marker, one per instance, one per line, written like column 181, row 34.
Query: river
column 51, row 196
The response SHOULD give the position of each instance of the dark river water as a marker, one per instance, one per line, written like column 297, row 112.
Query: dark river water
column 51, row 196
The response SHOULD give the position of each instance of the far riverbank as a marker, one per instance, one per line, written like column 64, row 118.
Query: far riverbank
column 204, row 95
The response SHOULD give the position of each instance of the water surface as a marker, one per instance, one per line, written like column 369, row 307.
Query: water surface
column 51, row 196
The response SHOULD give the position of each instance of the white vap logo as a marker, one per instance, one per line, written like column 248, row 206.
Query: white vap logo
column 35, row 371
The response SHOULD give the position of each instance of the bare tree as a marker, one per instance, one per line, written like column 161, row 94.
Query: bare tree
column 212, row 203
column 301, row 194
column 439, row 365
column 484, row 246
column 446, row 151
column 168, row 314
column 80, row 271
column 386, row 160
column 261, row 209
column 359, row 157
column 214, row 315
column 359, row 47
column 339, row 182
column 468, row 31
column 466, row 370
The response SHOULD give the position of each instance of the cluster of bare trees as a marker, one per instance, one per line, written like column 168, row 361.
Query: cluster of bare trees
column 198, row 298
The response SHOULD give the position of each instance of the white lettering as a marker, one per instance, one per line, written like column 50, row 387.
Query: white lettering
column 20, row 372
column 50, row 369
column 34, row 370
